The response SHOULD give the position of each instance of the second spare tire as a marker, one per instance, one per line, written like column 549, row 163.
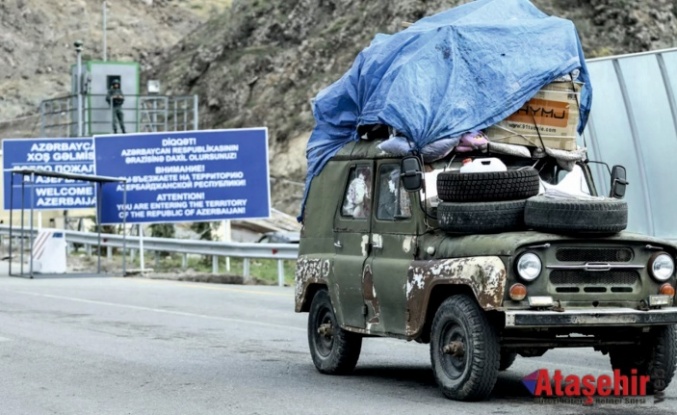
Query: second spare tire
column 453, row 186
column 485, row 217
column 603, row 215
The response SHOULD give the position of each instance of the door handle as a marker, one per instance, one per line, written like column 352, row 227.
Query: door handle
column 337, row 244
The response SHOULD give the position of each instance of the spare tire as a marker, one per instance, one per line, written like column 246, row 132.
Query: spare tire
column 602, row 216
column 453, row 186
column 486, row 217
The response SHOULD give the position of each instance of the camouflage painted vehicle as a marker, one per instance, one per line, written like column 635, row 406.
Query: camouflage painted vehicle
column 385, row 269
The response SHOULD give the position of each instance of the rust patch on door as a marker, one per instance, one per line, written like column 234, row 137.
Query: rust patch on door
column 486, row 276
column 309, row 271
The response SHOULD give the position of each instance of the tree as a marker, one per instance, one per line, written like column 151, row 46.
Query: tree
column 205, row 232
column 162, row 230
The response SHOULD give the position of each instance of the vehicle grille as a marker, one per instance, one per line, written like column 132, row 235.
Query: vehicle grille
column 587, row 278
column 594, row 255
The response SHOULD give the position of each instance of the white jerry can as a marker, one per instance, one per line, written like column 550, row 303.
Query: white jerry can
column 483, row 165
column 49, row 252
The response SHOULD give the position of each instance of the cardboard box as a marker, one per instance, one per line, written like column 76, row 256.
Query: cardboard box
column 553, row 112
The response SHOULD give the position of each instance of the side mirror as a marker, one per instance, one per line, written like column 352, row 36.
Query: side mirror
column 618, row 182
column 411, row 174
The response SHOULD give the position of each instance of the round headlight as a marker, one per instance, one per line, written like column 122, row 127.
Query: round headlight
column 529, row 266
column 662, row 267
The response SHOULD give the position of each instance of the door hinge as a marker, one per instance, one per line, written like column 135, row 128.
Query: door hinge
column 365, row 310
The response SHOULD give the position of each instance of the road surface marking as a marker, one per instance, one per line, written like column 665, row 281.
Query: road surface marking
column 158, row 310
column 4, row 339
column 544, row 363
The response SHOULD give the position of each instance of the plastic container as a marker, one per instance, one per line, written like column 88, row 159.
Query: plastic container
column 483, row 165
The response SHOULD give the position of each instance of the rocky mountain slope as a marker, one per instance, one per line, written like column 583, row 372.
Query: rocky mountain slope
column 36, row 40
column 262, row 61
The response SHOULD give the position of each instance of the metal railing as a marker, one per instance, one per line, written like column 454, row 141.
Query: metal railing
column 140, row 114
column 215, row 249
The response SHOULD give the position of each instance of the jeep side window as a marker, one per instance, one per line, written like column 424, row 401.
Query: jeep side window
column 389, row 185
column 357, row 201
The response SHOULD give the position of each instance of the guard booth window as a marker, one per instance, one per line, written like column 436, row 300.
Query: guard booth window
column 112, row 78
column 357, row 201
column 389, row 189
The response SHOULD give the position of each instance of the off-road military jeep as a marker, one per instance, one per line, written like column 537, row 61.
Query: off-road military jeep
column 373, row 261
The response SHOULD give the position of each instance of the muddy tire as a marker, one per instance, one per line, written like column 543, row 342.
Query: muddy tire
column 464, row 350
column 507, row 359
column 607, row 216
column 486, row 217
column 655, row 357
column 334, row 350
column 454, row 186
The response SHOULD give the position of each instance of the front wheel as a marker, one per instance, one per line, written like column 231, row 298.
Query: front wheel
column 507, row 359
column 464, row 350
column 655, row 356
column 334, row 350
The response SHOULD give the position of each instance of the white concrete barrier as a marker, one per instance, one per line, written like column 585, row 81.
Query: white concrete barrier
column 49, row 252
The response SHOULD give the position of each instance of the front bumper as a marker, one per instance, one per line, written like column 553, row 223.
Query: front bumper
column 590, row 317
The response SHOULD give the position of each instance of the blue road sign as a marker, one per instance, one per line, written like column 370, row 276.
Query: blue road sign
column 66, row 155
column 191, row 176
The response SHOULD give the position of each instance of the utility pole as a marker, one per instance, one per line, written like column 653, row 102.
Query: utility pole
column 78, row 87
column 105, row 47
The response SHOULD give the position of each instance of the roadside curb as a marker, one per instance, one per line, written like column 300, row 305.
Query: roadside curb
column 205, row 278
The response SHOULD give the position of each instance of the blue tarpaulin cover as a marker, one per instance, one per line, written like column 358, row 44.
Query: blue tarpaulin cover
column 458, row 71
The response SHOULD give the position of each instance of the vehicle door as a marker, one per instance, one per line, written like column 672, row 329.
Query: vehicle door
column 393, row 246
column 352, row 222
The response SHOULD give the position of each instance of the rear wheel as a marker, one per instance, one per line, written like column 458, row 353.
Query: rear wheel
column 334, row 350
column 464, row 350
column 656, row 357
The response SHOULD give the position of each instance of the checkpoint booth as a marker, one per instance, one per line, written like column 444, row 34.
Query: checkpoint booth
column 98, row 77
column 46, row 177
column 48, row 246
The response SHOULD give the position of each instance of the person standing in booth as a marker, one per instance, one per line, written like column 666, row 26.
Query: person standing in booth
column 115, row 99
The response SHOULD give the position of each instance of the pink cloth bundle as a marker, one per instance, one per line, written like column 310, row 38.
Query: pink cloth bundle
column 472, row 142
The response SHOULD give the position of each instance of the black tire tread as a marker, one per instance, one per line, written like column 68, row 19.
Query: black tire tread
column 507, row 359
column 453, row 186
column 485, row 348
column 348, row 345
column 485, row 217
column 659, row 354
column 571, row 216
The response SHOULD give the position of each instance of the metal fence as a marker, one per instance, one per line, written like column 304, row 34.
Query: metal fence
column 215, row 249
column 139, row 113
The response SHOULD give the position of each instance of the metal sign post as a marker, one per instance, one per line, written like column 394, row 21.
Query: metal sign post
column 30, row 235
column 78, row 51
column 227, row 237
column 141, row 256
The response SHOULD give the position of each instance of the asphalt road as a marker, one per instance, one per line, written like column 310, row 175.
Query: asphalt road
column 135, row 346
